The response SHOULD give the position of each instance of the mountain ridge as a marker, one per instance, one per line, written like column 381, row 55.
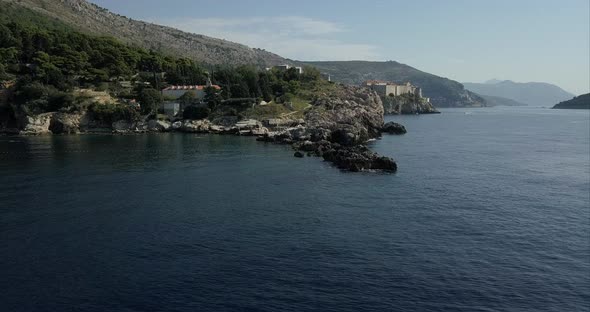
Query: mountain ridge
column 530, row 93
column 91, row 18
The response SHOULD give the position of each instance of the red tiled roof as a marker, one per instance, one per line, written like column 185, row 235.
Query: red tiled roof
column 190, row 88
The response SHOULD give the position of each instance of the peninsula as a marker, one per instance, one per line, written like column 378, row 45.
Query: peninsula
column 578, row 102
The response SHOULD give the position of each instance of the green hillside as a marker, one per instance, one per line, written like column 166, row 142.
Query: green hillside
column 443, row 92
column 92, row 19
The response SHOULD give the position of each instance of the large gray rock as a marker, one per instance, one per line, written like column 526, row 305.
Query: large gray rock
column 158, row 125
column 122, row 126
column 349, row 111
column 394, row 128
column 177, row 125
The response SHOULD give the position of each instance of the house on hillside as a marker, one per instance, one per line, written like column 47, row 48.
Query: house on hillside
column 175, row 92
column 171, row 95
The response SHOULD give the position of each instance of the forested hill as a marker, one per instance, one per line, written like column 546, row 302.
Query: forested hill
column 579, row 102
column 442, row 91
column 90, row 18
column 46, row 67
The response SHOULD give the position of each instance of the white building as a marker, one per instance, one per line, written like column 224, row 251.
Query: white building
column 171, row 108
column 287, row 67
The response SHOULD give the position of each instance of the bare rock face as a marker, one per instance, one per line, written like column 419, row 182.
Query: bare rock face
column 38, row 124
column 196, row 126
column 62, row 123
column 406, row 105
column 158, row 125
column 354, row 114
column 89, row 124
column 336, row 128
column 122, row 126
column 56, row 123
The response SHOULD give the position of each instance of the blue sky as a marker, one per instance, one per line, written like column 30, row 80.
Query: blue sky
column 465, row 40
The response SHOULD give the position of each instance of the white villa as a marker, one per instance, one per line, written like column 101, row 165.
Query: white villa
column 286, row 67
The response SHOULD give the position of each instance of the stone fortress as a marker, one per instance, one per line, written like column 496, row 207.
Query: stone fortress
column 386, row 88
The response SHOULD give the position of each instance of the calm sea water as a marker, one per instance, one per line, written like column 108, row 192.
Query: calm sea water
column 489, row 211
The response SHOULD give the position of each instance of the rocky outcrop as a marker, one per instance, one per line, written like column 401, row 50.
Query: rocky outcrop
column 37, row 124
column 351, row 158
column 196, row 126
column 359, row 158
column 337, row 127
column 393, row 128
column 407, row 105
column 126, row 126
column 352, row 113
column 159, row 125
column 51, row 123
column 62, row 123
column 89, row 124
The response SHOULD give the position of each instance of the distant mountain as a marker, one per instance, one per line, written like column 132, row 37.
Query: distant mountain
column 579, row 102
column 90, row 18
column 443, row 92
column 500, row 101
column 530, row 93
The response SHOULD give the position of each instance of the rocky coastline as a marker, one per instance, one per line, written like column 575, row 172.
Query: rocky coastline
column 335, row 128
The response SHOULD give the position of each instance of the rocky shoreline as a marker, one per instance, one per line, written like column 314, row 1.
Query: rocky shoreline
column 336, row 128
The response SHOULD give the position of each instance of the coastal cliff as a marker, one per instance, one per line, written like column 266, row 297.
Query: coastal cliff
column 407, row 104
column 337, row 127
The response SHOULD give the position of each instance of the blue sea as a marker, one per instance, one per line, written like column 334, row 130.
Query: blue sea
column 489, row 211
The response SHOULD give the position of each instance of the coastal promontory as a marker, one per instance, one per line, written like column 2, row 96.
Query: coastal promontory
column 579, row 102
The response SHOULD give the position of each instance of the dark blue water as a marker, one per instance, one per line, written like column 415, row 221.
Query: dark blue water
column 489, row 211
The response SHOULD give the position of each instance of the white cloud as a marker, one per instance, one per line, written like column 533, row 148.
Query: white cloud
column 293, row 37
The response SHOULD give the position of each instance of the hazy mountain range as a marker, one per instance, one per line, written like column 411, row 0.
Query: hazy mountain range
column 529, row 93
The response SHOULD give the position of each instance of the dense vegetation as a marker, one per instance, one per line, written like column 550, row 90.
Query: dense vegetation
column 89, row 18
column 579, row 102
column 48, row 63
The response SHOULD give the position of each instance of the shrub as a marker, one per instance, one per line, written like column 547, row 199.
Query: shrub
column 109, row 113
column 195, row 113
